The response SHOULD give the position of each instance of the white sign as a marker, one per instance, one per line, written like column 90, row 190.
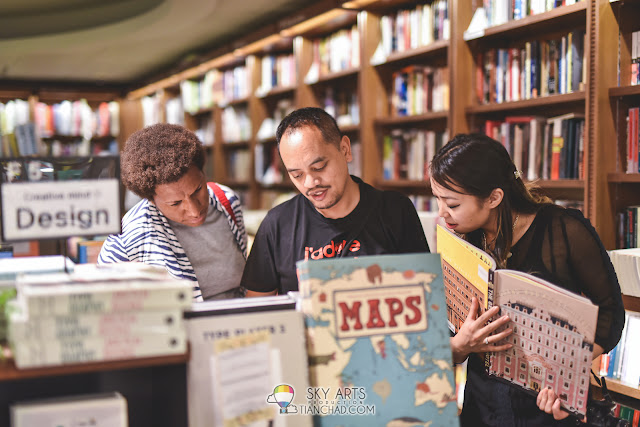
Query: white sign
column 47, row 210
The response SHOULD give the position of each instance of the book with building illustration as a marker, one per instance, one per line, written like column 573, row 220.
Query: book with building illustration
column 553, row 328
column 378, row 341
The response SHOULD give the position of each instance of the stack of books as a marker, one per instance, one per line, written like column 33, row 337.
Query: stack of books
column 97, row 313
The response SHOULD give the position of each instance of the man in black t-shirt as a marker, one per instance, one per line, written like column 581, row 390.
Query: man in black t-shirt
column 336, row 215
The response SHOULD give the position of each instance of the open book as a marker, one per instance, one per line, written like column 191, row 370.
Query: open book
column 553, row 329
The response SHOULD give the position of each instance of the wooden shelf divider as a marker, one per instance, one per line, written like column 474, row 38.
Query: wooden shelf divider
column 9, row 372
column 529, row 104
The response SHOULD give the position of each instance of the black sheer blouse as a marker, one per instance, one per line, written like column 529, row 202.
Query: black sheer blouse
column 562, row 247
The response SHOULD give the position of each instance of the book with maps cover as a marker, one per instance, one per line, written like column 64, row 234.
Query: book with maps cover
column 553, row 328
column 378, row 341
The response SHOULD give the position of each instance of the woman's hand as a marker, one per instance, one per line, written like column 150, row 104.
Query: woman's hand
column 475, row 337
column 549, row 402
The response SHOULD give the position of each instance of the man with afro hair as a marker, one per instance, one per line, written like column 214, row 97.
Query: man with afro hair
column 192, row 228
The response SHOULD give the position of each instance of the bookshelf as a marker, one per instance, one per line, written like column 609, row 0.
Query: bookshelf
column 371, row 81
column 617, row 97
column 9, row 372
column 604, row 96
column 54, row 94
column 155, row 388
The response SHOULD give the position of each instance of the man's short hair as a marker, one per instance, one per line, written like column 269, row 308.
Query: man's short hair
column 311, row 116
column 159, row 154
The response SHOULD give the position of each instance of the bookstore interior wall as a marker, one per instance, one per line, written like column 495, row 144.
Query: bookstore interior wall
column 555, row 81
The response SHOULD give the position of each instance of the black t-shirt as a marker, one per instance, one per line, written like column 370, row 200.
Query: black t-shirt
column 383, row 222
column 562, row 247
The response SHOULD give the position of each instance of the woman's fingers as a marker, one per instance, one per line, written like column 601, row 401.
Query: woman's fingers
column 493, row 340
column 558, row 412
column 473, row 310
column 487, row 315
column 495, row 325
column 541, row 400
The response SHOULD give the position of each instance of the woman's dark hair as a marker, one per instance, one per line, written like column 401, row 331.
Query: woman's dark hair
column 475, row 164
column 311, row 116
column 159, row 154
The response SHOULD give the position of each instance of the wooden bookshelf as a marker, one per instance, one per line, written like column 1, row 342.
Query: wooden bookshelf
column 350, row 128
column 278, row 92
column 464, row 115
column 338, row 75
column 398, row 184
column 548, row 22
column 561, row 184
column 235, row 183
column 286, row 185
column 9, row 372
column 535, row 104
column 76, row 138
column 414, row 120
column 631, row 303
column 270, row 140
column 619, row 387
column 235, row 102
column 233, row 145
column 432, row 50
column 621, row 178
column 625, row 92
column 202, row 111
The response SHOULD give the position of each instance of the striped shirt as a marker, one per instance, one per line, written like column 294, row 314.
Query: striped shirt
column 147, row 237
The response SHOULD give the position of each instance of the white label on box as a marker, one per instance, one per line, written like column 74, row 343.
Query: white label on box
column 47, row 210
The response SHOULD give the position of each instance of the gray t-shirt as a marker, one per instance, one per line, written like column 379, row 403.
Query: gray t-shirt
column 214, row 255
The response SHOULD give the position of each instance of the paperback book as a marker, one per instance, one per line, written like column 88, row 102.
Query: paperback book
column 378, row 341
column 248, row 363
column 553, row 329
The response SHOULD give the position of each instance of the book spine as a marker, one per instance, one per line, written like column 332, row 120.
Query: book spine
column 83, row 326
column 105, row 301
column 490, row 293
column 37, row 353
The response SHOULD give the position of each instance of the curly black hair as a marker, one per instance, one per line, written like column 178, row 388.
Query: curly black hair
column 159, row 154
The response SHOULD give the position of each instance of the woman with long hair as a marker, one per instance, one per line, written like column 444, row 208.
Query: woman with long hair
column 482, row 197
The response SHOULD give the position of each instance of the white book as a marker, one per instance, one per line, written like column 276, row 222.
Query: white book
column 631, row 367
column 427, row 24
column 617, row 368
column 124, row 324
column 40, row 353
column 103, row 409
column 535, row 148
column 53, row 294
column 11, row 267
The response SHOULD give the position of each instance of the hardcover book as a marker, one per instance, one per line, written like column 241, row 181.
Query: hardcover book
column 38, row 353
column 553, row 329
column 63, row 294
column 377, row 340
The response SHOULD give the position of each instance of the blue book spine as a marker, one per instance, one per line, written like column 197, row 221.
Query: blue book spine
column 612, row 361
